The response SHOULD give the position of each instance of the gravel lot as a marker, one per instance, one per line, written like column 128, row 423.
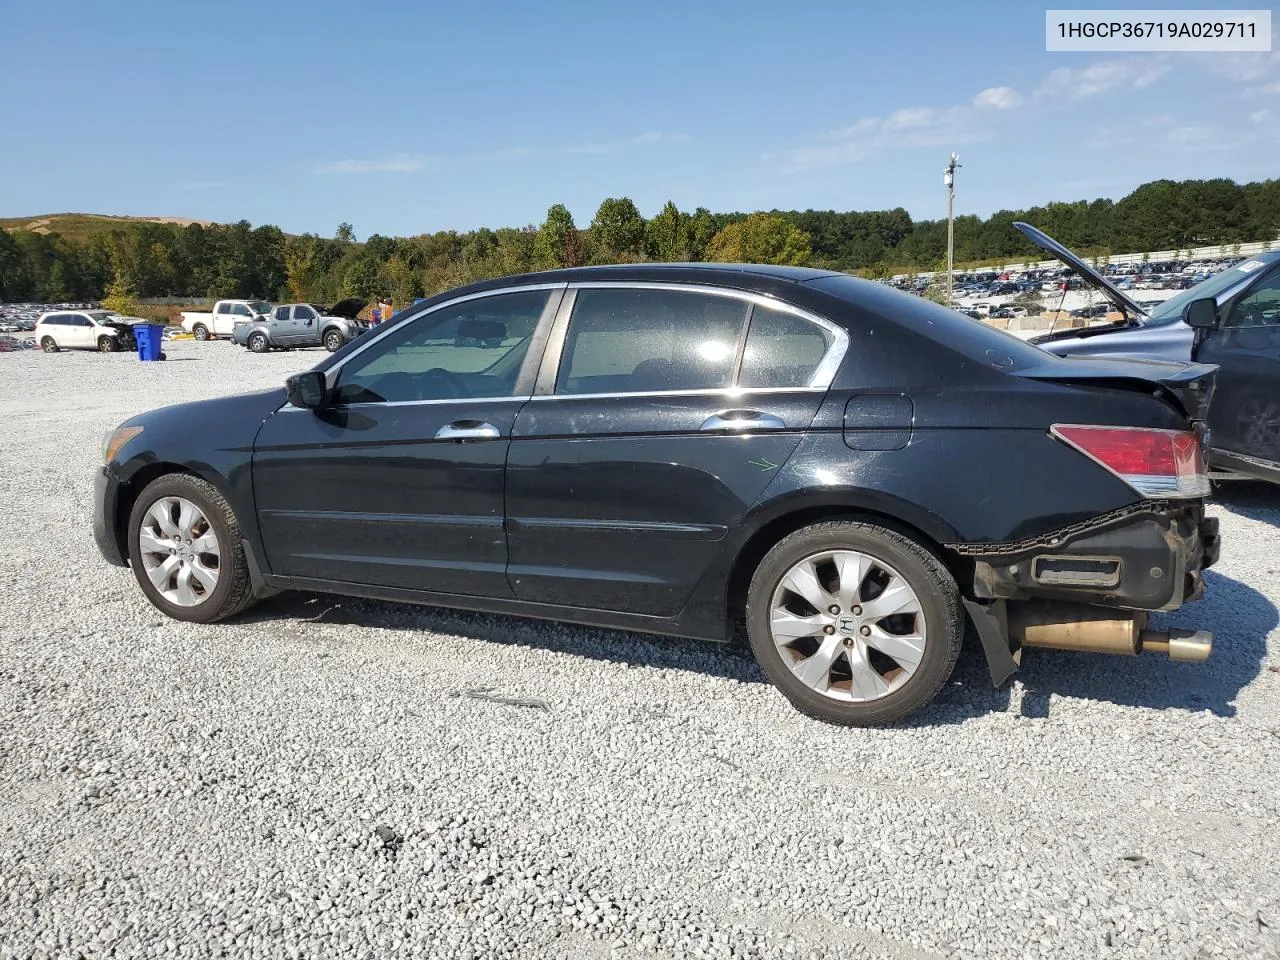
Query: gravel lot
column 314, row 781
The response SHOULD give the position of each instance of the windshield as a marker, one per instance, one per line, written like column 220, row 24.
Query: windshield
column 1171, row 309
column 101, row 316
column 259, row 306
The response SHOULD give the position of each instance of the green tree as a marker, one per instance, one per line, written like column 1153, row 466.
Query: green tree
column 669, row 235
column 345, row 233
column 557, row 243
column 702, row 227
column 761, row 238
column 618, row 230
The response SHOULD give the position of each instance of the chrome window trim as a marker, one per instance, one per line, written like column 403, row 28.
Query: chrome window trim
column 729, row 393
column 823, row 374
column 381, row 404
column 330, row 373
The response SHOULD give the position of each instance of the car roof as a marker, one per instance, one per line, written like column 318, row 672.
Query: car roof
column 743, row 275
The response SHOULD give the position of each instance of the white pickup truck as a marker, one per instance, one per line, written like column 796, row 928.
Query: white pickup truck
column 226, row 314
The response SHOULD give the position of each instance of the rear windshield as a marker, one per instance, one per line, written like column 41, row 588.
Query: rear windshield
column 968, row 337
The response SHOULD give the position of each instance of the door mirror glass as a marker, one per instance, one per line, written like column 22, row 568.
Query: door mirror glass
column 306, row 390
column 1202, row 314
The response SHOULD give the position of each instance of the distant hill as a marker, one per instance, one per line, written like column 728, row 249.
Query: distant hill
column 81, row 226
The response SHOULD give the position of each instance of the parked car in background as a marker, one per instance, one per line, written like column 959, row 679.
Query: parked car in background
column 1244, row 341
column 221, row 322
column 99, row 330
column 303, row 325
column 676, row 448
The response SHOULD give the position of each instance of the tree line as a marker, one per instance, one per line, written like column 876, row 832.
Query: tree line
column 147, row 259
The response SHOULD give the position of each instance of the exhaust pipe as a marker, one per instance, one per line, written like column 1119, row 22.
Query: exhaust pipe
column 1088, row 629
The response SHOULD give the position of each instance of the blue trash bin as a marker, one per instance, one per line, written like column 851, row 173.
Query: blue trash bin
column 150, row 337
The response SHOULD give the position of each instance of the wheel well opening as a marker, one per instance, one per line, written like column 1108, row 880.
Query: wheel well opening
column 764, row 539
column 129, row 496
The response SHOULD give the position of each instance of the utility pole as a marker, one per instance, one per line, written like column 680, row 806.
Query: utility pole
column 949, row 178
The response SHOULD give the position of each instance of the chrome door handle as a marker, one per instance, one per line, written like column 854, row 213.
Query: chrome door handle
column 740, row 420
column 468, row 430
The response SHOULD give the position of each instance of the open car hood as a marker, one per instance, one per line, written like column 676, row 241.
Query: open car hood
column 1126, row 304
column 346, row 308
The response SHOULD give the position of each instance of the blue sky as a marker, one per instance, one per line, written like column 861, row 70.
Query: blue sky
column 407, row 117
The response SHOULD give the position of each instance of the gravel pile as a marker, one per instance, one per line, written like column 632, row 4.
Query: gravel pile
column 335, row 778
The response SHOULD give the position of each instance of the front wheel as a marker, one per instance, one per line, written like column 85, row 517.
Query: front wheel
column 258, row 343
column 49, row 345
column 333, row 341
column 186, row 552
column 854, row 623
column 106, row 344
column 200, row 331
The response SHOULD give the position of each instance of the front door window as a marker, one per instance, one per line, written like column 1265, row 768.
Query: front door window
column 470, row 350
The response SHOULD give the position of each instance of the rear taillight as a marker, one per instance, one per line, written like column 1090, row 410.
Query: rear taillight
column 1156, row 463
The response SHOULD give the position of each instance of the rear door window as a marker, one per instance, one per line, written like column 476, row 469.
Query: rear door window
column 782, row 350
column 646, row 340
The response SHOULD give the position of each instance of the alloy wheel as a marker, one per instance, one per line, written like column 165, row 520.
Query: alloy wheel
column 180, row 551
column 847, row 625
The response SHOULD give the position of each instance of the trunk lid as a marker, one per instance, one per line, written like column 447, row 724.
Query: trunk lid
column 1189, row 386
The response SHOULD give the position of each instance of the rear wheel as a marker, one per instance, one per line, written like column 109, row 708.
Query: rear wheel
column 200, row 331
column 854, row 623
column 106, row 344
column 333, row 341
column 186, row 552
column 48, row 345
column 259, row 343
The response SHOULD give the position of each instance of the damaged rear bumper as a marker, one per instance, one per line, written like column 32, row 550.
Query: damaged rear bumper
column 1089, row 586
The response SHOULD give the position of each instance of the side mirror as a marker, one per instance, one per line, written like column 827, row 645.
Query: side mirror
column 306, row 390
column 1201, row 314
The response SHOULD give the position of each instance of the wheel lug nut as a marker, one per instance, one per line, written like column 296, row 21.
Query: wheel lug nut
column 856, row 611
column 833, row 609
column 828, row 629
column 848, row 641
column 865, row 631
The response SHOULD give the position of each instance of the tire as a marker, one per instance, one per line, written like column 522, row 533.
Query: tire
column 333, row 341
column 201, row 603
column 259, row 343
column 890, row 688
column 200, row 332
column 106, row 345
column 163, row 355
column 49, row 345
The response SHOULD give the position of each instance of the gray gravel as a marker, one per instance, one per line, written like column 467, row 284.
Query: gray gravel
column 318, row 779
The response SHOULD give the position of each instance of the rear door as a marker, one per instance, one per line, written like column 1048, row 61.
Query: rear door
column 399, row 482
column 661, row 414
column 1244, row 418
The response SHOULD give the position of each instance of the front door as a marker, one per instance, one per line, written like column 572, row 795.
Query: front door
column 652, row 439
column 81, row 331
column 399, row 482
column 302, row 329
column 1244, row 419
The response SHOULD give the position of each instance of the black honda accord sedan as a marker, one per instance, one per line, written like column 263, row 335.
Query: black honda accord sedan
column 853, row 471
